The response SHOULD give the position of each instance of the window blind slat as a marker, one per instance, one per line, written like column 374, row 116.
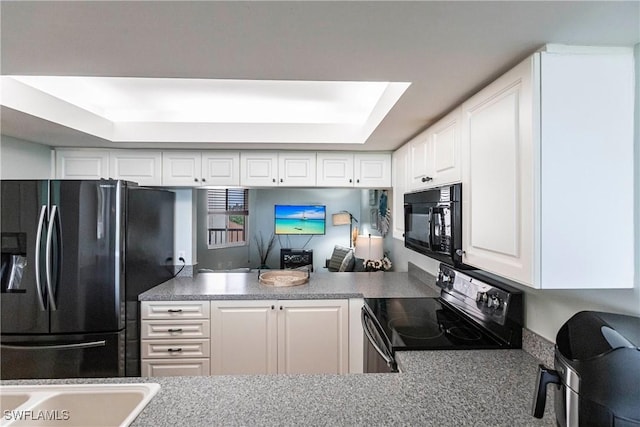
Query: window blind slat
column 227, row 200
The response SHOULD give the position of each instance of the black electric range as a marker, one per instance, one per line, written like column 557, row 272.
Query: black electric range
column 469, row 314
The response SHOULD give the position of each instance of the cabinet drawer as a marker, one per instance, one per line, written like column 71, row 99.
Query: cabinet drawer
column 175, row 329
column 175, row 309
column 175, row 348
column 175, row 367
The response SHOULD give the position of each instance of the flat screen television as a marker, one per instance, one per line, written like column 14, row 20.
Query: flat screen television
column 300, row 219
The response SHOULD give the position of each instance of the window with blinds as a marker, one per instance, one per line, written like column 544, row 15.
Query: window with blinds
column 228, row 211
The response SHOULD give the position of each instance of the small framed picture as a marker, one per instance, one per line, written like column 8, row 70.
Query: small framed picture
column 373, row 218
column 373, row 197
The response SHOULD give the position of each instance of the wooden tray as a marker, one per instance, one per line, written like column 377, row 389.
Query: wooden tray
column 284, row 278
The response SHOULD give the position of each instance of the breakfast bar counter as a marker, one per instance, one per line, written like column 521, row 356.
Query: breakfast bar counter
column 234, row 286
column 435, row 388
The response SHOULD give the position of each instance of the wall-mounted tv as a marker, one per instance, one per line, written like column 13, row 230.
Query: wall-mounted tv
column 300, row 219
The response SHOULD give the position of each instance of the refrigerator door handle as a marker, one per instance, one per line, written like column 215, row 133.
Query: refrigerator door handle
column 43, row 211
column 52, row 301
column 89, row 344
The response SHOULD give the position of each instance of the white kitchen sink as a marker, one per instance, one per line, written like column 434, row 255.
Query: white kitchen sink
column 74, row 405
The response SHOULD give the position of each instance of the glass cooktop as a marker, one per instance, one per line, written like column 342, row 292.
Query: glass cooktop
column 427, row 324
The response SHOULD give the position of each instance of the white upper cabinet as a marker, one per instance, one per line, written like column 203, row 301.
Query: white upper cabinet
column 335, row 169
column 82, row 164
column 497, row 190
column 420, row 171
column 195, row 168
column 285, row 169
column 537, row 143
column 446, row 165
column 435, row 153
column 364, row 170
column 372, row 170
column 297, row 169
column 228, row 168
column 400, row 162
column 181, row 168
column 259, row 169
column 221, row 168
column 141, row 166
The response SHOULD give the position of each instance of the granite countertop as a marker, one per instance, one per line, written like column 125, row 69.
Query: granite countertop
column 435, row 388
column 225, row 286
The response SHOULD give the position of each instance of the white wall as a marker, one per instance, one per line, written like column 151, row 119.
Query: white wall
column 184, row 223
column 20, row 159
column 547, row 310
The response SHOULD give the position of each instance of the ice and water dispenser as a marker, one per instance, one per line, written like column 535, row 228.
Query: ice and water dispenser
column 14, row 261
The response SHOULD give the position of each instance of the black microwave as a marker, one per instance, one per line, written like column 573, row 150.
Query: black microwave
column 433, row 223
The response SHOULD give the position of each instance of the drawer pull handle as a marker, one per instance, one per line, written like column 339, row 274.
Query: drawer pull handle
column 175, row 330
column 172, row 310
column 174, row 350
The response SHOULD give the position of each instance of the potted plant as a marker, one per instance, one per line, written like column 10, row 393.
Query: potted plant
column 264, row 248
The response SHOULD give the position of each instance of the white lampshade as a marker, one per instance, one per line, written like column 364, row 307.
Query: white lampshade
column 369, row 247
column 341, row 218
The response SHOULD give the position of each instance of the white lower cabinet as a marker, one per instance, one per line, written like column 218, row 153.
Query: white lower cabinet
column 175, row 338
column 286, row 336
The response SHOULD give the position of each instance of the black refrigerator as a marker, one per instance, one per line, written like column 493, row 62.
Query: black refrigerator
column 75, row 256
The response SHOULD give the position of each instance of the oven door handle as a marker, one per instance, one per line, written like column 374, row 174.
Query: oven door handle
column 369, row 334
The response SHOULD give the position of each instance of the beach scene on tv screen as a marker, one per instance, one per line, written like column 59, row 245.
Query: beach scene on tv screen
column 298, row 219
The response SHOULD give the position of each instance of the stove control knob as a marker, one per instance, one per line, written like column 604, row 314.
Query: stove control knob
column 444, row 278
column 491, row 301
column 481, row 297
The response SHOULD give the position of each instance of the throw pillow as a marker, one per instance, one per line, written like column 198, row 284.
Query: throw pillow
column 338, row 255
column 346, row 262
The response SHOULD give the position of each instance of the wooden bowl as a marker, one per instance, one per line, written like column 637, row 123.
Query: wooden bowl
column 284, row 278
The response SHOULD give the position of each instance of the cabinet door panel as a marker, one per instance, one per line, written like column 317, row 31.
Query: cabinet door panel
column 445, row 149
column 335, row 169
column 304, row 347
column 297, row 170
column 259, row 169
column 419, row 166
column 143, row 167
column 494, row 176
column 498, row 188
column 221, row 168
column 244, row 337
column 372, row 170
column 81, row 164
column 181, row 168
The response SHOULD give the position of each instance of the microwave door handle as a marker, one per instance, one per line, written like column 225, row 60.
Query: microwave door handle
column 431, row 227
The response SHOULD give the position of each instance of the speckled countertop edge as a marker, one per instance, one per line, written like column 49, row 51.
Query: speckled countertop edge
column 435, row 388
column 236, row 286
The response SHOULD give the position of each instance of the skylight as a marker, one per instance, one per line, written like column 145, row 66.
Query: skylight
column 143, row 109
